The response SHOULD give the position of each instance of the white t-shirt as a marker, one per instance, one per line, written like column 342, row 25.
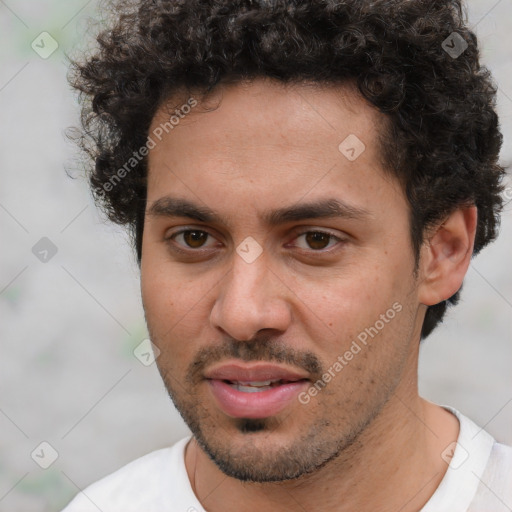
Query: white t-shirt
column 478, row 479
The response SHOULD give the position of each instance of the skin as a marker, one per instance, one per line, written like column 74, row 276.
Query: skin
column 367, row 440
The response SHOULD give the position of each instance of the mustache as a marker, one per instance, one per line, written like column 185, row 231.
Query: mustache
column 265, row 347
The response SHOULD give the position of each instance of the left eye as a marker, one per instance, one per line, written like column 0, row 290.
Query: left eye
column 317, row 240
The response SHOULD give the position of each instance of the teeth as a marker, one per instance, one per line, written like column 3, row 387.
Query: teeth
column 256, row 383
column 254, row 386
column 251, row 389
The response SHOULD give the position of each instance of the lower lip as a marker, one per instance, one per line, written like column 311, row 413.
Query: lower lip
column 260, row 404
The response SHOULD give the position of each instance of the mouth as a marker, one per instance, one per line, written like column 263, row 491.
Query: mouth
column 255, row 399
column 255, row 374
column 254, row 390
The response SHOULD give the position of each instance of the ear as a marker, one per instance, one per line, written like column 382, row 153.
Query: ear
column 445, row 256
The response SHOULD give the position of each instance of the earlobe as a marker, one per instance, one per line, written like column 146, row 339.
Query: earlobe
column 446, row 255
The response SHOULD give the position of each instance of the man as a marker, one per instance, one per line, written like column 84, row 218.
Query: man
column 306, row 183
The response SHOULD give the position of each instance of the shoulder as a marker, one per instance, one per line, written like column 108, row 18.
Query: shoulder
column 501, row 458
column 143, row 484
column 480, row 472
column 496, row 482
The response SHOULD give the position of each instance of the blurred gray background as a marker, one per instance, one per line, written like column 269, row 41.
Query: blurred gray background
column 70, row 324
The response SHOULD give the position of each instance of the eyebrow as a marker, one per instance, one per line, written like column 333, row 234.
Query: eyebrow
column 327, row 208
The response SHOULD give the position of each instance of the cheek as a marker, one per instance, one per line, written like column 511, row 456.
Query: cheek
column 353, row 298
column 167, row 302
column 165, row 291
column 365, row 304
column 163, row 312
column 174, row 307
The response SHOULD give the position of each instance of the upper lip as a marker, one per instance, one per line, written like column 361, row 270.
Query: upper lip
column 252, row 373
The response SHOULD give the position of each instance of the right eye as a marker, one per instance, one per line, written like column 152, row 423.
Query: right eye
column 190, row 238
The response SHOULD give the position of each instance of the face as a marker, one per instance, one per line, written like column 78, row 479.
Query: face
column 269, row 247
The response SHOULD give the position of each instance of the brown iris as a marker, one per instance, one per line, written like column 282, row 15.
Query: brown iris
column 316, row 239
column 195, row 239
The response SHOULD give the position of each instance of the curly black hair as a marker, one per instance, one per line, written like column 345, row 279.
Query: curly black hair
column 441, row 138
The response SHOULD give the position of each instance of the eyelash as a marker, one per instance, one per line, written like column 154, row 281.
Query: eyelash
column 189, row 250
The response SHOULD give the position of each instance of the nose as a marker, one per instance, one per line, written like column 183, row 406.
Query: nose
column 251, row 297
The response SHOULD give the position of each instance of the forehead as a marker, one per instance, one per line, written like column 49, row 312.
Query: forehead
column 263, row 139
column 299, row 114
